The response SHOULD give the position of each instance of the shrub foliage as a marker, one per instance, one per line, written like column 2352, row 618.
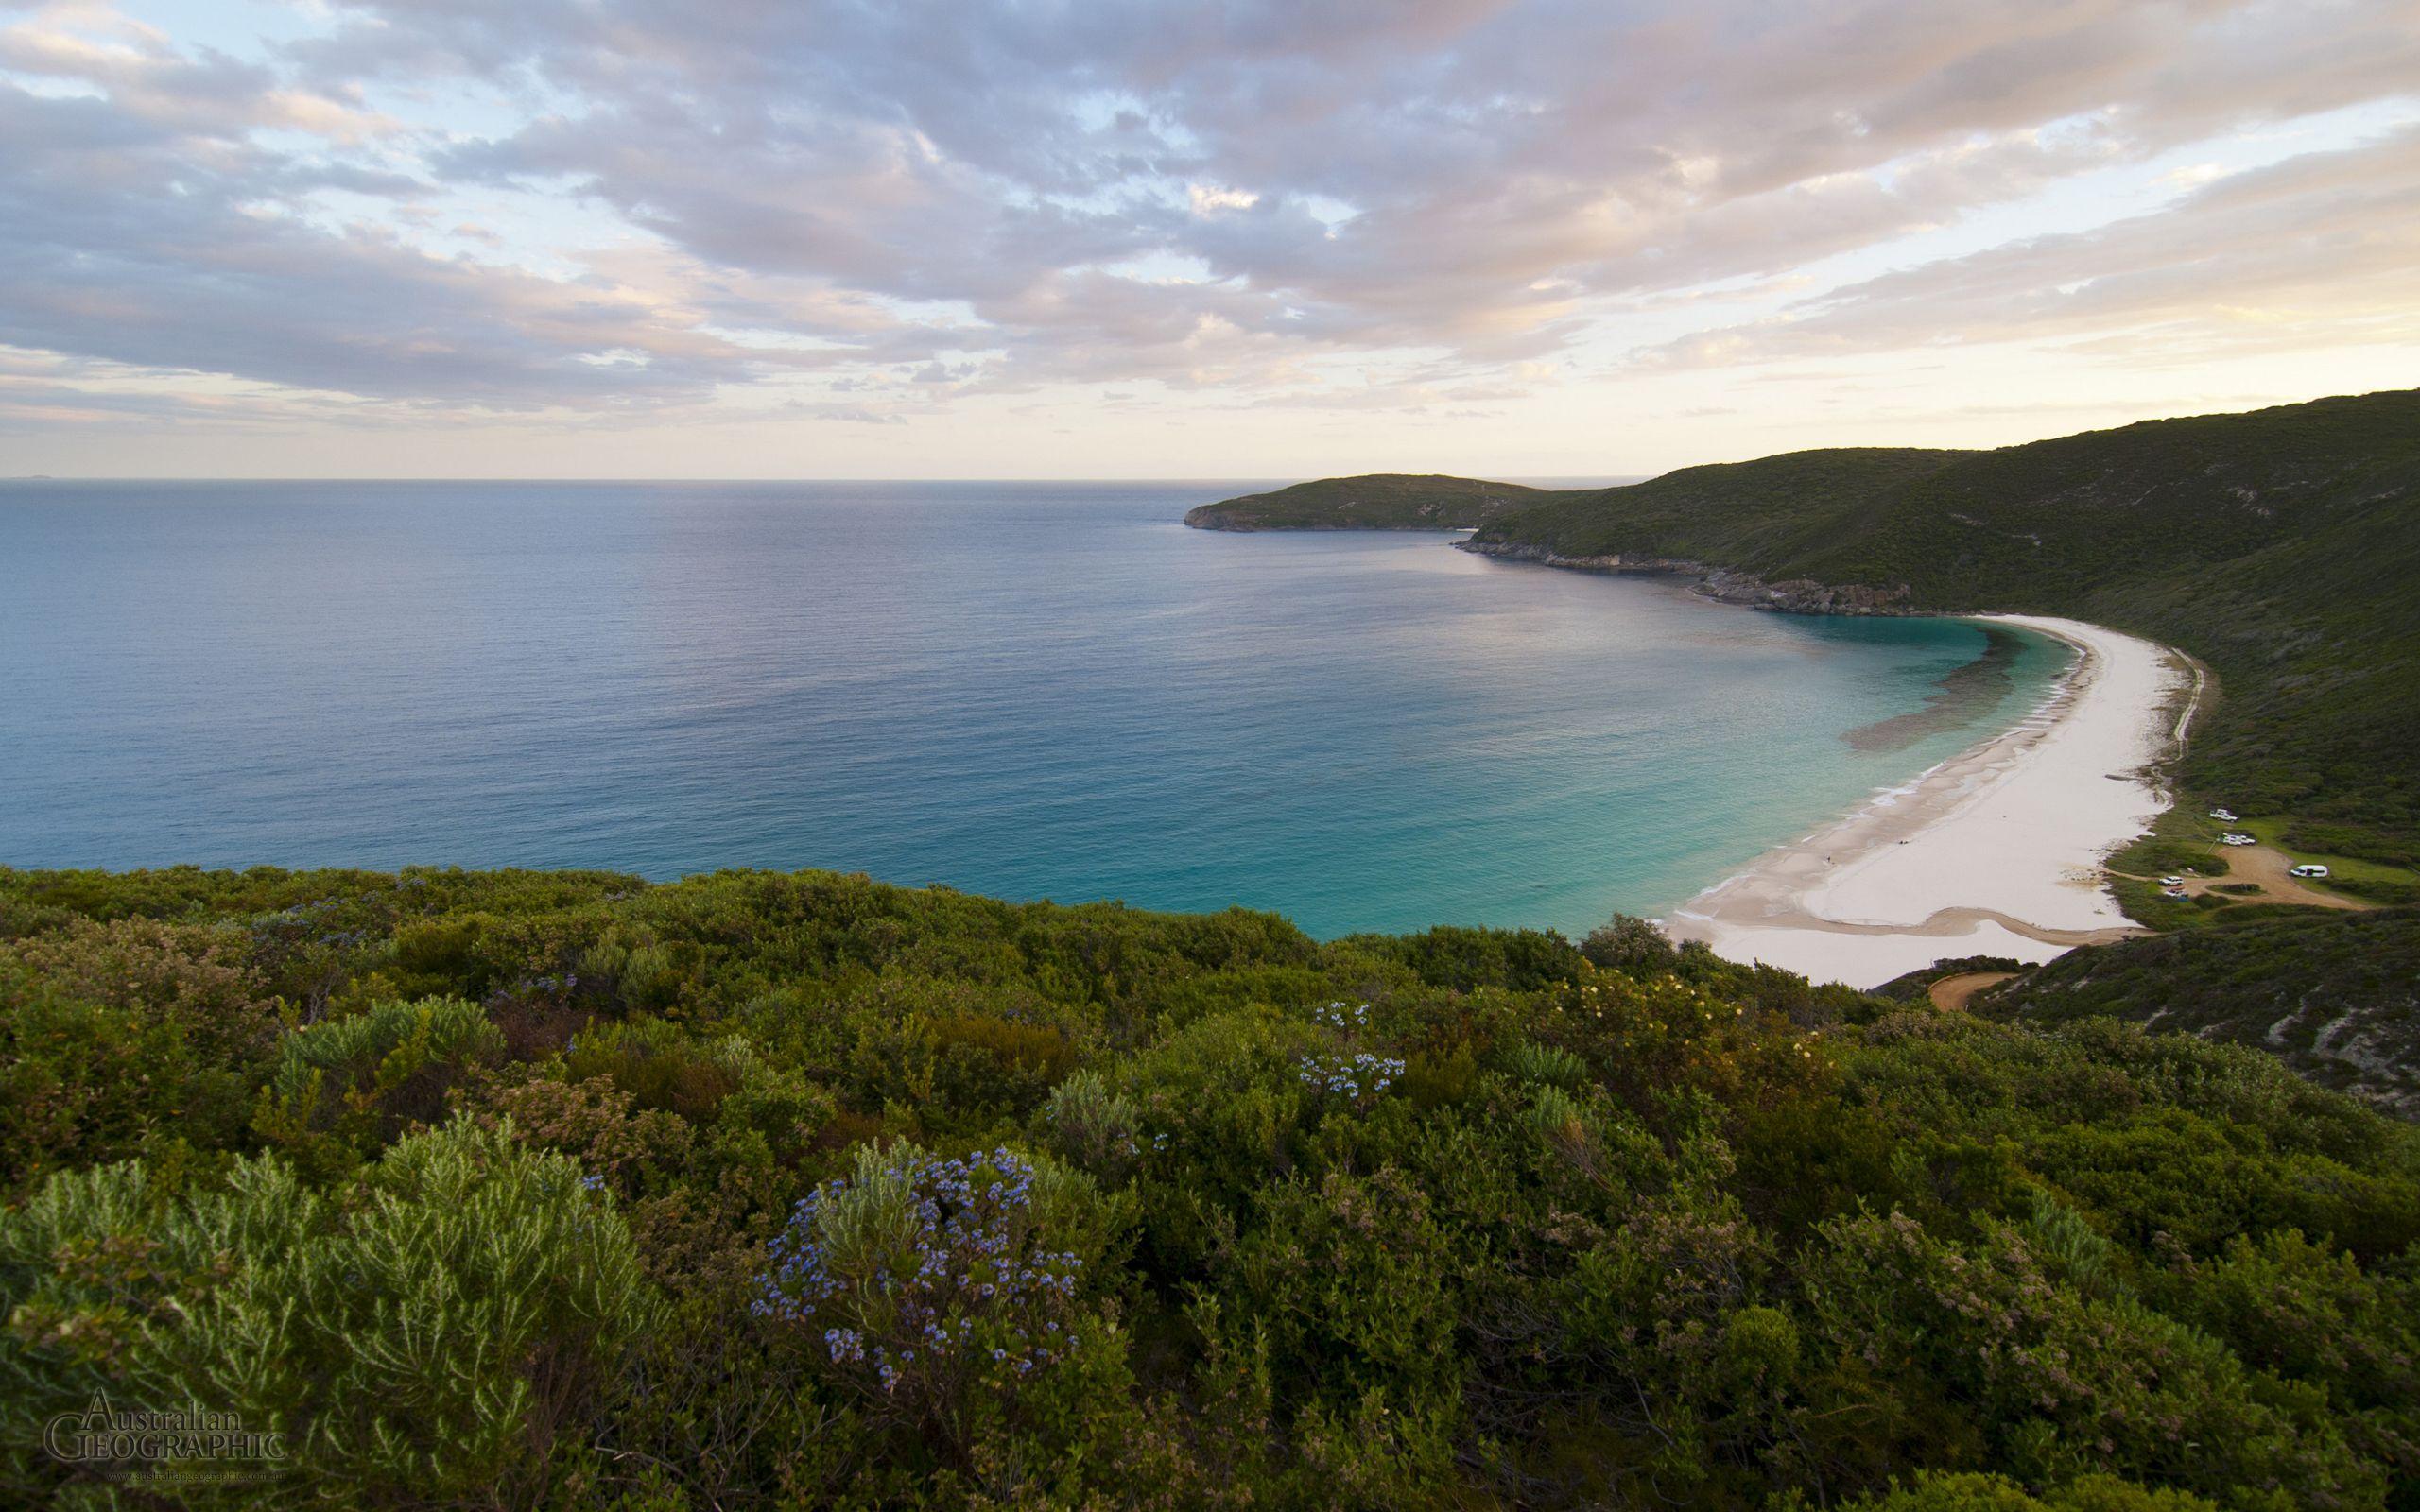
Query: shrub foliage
column 521, row 1189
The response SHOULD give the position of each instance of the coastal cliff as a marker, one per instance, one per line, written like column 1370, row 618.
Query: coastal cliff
column 1799, row 595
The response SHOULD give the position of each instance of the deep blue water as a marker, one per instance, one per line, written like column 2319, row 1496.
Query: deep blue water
column 1028, row 690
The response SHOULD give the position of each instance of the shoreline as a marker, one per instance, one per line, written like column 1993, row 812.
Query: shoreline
column 1997, row 851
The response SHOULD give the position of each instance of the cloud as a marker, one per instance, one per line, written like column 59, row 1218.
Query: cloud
column 2317, row 251
column 588, row 206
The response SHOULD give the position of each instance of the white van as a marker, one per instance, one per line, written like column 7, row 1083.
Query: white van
column 2309, row 869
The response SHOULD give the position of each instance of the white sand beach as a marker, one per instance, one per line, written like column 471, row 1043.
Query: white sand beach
column 1996, row 851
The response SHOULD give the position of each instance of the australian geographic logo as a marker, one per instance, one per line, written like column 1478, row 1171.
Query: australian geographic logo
column 102, row 1434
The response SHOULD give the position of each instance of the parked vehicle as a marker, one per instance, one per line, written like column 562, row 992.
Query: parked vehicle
column 2309, row 869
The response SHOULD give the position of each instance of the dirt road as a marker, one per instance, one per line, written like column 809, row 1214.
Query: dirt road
column 1955, row 992
column 2273, row 869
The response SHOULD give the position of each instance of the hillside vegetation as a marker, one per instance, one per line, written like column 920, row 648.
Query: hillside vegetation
column 1377, row 501
column 566, row 1190
column 2282, row 547
column 2336, row 996
column 1763, row 517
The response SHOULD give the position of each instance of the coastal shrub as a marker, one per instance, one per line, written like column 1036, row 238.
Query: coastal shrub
column 638, row 974
column 82, row 1083
column 1093, row 1127
column 965, row 1055
column 2382, row 891
column 1225, row 1103
column 989, row 1063
column 941, row 1291
column 2318, row 838
column 2067, row 1385
column 424, row 1340
column 1462, row 1219
column 1434, row 1078
column 619, row 1145
column 1448, row 956
column 1933, row 1492
column 1552, row 1065
column 782, row 1110
column 1352, row 1281
column 1912, row 986
column 2307, row 1311
column 661, row 1065
column 2180, row 1178
column 196, row 978
column 441, row 955
column 369, row 1078
column 1627, row 943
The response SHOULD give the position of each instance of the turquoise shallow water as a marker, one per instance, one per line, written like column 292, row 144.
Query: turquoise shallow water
column 1029, row 689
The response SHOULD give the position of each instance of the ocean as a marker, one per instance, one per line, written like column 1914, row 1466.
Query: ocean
column 1031, row 690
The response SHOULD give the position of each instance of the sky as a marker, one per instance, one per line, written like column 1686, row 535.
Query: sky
column 1187, row 238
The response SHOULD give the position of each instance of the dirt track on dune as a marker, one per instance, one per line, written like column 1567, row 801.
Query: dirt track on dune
column 1952, row 993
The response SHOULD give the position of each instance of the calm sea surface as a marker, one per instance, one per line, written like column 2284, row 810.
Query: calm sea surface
column 1029, row 689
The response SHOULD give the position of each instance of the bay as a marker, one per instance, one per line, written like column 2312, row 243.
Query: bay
column 1021, row 689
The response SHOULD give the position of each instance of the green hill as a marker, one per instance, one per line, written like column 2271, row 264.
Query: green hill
column 762, row 1191
column 1761, row 517
column 1377, row 501
column 2336, row 996
column 2282, row 547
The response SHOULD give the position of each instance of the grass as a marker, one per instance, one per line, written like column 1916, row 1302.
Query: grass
column 2277, row 832
column 2182, row 842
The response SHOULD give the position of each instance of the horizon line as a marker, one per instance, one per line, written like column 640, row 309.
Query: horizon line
column 433, row 477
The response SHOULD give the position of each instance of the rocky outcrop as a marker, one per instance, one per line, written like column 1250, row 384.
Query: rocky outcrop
column 1225, row 516
column 1797, row 595
column 1374, row 501
column 1517, row 551
column 1804, row 595
column 1213, row 517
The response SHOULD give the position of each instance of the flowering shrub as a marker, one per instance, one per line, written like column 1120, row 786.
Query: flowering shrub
column 1666, row 1233
column 1355, row 1076
column 930, row 1278
column 1341, row 1017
